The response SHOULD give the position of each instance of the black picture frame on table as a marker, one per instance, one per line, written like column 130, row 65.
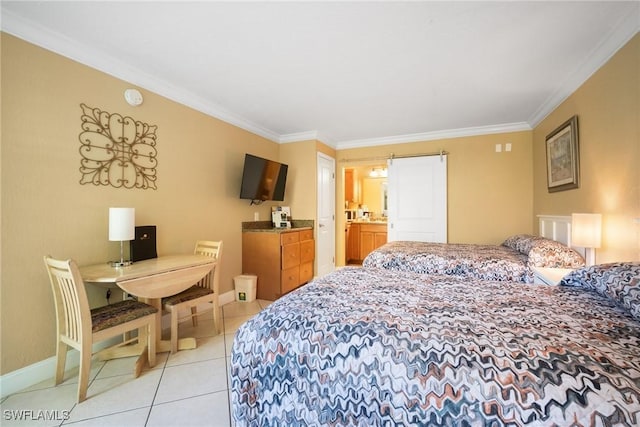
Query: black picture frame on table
column 563, row 159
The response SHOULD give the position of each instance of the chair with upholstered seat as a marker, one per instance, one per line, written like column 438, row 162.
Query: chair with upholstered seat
column 205, row 291
column 80, row 327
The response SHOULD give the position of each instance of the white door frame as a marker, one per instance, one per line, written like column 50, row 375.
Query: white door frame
column 326, row 219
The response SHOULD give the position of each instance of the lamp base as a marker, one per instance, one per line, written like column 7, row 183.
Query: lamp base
column 590, row 256
column 120, row 263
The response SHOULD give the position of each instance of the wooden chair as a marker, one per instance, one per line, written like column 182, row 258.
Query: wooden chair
column 205, row 291
column 79, row 327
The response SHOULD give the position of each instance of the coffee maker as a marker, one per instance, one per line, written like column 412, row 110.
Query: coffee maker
column 281, row 217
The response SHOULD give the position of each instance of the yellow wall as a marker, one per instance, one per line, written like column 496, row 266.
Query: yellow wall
column 45, row 210
column 372, row 193
column 301, row 182
column 608, row 109
column 489, row 194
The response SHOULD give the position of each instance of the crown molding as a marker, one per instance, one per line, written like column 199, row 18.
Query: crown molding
column 304, row 136
column 33, row 33
column 298, row 136
column 430, row 136
column 619, row 35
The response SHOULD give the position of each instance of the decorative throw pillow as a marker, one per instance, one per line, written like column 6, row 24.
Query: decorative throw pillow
column 543, row 252
column 619, row 281
column 552, row 254
column 521, row 242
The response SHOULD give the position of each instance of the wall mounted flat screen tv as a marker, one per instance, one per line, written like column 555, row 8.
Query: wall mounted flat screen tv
column 263, row 179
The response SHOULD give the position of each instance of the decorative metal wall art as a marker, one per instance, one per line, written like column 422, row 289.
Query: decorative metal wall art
column 117, row 150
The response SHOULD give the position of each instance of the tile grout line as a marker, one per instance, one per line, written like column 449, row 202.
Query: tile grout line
column 226, row 366
column 155, row 394
column 75, row 404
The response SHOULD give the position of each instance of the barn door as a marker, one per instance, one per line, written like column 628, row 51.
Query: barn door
column 417, row 199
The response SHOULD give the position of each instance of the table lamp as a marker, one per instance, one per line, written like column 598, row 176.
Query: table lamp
column 586, row 232
column 121, row 228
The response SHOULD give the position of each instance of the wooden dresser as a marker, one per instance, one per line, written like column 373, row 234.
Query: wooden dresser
column 282, row 259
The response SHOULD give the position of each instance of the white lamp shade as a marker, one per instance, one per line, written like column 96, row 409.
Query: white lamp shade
column 586, row 230
column 122, row 224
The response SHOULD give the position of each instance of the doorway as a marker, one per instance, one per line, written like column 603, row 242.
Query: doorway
column 365, row 209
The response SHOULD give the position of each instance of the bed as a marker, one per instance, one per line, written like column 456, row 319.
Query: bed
column 368, row 346
column 513, row 260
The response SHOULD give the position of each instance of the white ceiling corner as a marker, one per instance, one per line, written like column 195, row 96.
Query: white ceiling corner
column 620, row 34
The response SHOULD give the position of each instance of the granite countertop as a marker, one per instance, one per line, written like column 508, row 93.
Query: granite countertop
column 267, row 226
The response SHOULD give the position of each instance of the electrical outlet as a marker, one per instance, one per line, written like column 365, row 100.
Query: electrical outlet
column 498, row 148
column 507, row 146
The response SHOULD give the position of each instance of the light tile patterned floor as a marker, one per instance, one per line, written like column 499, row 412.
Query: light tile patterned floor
column 189, row 388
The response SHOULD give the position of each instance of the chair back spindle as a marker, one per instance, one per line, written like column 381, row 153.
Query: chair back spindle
column 71, row 303
column 211, row 249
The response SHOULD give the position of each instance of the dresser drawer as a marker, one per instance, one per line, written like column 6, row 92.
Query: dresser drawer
column 373, row 228
column 306, row 235
column 307, row 251
column 290, row 279
column 306, row 272
column 290, row 255
column 289, row 238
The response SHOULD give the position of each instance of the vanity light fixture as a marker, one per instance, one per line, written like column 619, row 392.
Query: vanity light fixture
column 378, row 172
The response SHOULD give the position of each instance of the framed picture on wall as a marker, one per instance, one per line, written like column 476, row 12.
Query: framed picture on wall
column 563, row 165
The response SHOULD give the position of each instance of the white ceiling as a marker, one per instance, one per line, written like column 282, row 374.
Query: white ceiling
column 348, row 73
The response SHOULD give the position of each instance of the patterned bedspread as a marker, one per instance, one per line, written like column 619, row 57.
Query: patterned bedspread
column 367, row 346
column 489, row 262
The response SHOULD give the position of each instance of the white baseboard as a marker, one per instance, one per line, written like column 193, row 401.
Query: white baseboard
column 227, row 297
column 23, row 378
column 35, row 373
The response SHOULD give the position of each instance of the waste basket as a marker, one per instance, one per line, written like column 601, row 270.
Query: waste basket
column 245, row 286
